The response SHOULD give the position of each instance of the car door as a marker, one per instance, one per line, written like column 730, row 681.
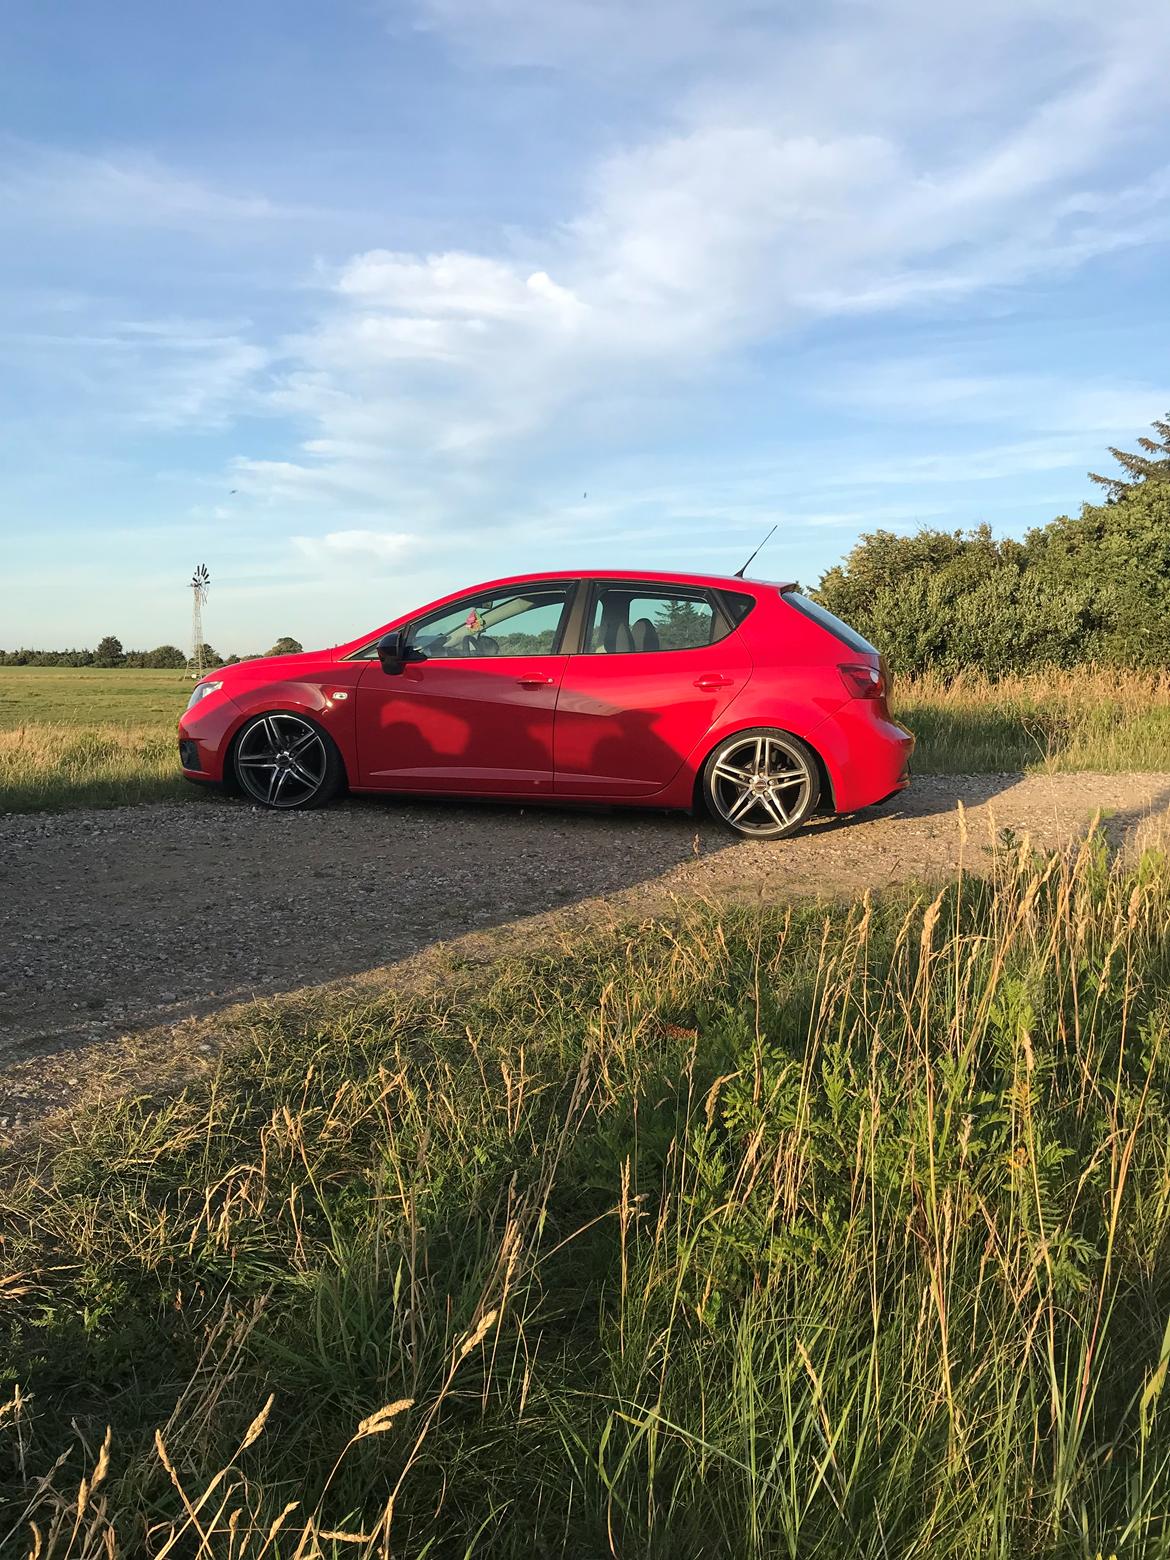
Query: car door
column 658, row 665
column 472, row 709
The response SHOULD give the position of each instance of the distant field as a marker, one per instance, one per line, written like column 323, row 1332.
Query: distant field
column 83, row 737
column 85, row 696
column 1112, row 721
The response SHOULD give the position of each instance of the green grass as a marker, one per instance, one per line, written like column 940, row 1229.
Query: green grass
column 83, row 737
column 826, row 1234
column 90, row 696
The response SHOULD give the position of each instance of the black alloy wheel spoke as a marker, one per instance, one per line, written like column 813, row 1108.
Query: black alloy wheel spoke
column 281, row 761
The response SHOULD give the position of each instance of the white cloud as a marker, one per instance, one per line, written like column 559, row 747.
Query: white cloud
column 849, row 163
column 126, row 189
column 355, row 550
column 156, row 373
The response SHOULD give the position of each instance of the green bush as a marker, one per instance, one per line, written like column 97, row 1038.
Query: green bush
column 1091, row 589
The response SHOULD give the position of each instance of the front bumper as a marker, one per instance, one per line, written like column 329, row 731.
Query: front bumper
column 205, row 733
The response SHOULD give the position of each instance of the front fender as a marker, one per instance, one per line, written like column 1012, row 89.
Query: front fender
column 214, row 729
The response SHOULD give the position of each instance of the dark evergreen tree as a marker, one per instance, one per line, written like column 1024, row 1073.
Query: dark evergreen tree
column 1151, row 466
column 681, row 625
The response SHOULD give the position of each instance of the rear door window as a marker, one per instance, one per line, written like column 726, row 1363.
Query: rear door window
column 639, row 619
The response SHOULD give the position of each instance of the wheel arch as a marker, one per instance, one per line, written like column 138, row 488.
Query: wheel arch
column 308, row 702
column 232, row 741
column 827, row 801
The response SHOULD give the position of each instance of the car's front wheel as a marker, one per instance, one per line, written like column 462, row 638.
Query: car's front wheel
column 283, row 760
column 762, row 783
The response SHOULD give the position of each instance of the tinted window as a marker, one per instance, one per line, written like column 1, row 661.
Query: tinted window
column 634, row 619
column 507, row 622
column 822, row 615
column 738, row 604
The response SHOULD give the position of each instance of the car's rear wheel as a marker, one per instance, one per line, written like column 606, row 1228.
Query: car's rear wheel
column 284, row 760
column 762, row 783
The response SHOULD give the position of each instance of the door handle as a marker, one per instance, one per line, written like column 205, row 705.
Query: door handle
column 535, row 681
column 712, row 680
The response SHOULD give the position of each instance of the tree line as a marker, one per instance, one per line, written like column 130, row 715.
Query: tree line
column 1094, row 588
column 109, row 653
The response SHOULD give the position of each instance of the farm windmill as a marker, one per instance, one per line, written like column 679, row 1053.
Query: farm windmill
column 200, row 585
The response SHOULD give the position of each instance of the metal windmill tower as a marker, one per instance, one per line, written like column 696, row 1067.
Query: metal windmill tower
column 200, row 585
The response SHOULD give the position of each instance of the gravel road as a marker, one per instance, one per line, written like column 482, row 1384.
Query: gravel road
column 114, row 920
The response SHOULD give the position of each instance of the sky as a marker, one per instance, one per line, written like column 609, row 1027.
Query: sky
column 364, row 302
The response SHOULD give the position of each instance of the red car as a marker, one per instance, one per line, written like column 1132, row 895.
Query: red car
column 657, row 690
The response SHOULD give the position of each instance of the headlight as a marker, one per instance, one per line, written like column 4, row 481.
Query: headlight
column 200, row 691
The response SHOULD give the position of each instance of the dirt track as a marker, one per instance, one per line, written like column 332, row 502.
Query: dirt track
column 112, row 921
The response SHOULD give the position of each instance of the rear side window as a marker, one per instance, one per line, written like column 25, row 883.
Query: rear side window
column 829, row 620
column 738, row 604
column 628, row 619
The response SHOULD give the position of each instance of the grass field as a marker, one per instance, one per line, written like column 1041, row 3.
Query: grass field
column 100, row 738
column 754, row 1234
column 83, row 737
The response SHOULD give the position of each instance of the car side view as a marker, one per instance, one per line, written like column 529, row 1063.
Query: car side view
column 673, row 691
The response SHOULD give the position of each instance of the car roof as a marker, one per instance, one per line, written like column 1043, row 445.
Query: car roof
column 658, row 576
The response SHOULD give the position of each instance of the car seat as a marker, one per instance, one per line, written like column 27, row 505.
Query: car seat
column 644, row 635
column 616, row 638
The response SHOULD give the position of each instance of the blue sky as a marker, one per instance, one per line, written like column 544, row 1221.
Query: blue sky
column 361, row 302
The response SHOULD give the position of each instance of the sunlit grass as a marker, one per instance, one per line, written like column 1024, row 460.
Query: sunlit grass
column 1089, row 718
column 89, row 737
column 45, row 767
column 826, row 1234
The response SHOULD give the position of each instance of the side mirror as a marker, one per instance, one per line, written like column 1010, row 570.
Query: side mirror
column 392, row 652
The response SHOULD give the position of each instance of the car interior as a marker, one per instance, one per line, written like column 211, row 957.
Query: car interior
column 615, row 634
column 468, row 638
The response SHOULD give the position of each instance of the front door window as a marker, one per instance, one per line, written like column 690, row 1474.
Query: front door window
column 506, row 622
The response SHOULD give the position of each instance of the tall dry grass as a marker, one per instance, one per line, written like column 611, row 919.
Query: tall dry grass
column 1105, row 719
column 759, row 1234
column 49, row 766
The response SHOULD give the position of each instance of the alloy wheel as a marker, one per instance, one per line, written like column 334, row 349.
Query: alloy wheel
column 281, row 761
column 761, row 784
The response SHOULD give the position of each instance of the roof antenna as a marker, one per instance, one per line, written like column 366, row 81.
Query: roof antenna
column 739, row 573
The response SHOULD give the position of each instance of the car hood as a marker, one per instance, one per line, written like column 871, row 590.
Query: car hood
column 274, row 667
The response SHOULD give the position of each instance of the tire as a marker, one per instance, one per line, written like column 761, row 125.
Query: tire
column 762, row 783
column 285, row 761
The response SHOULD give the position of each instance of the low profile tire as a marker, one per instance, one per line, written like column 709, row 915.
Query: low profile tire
column 284, row 761
column 762, row 783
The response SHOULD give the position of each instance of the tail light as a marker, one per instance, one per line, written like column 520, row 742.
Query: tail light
column 863, row 681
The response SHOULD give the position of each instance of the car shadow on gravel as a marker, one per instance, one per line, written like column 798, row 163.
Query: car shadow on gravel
column 111, row 922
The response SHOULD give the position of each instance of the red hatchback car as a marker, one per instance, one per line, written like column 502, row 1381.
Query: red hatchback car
column 654, row 690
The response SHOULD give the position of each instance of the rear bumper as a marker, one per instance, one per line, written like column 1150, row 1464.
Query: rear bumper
column 867, row 755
